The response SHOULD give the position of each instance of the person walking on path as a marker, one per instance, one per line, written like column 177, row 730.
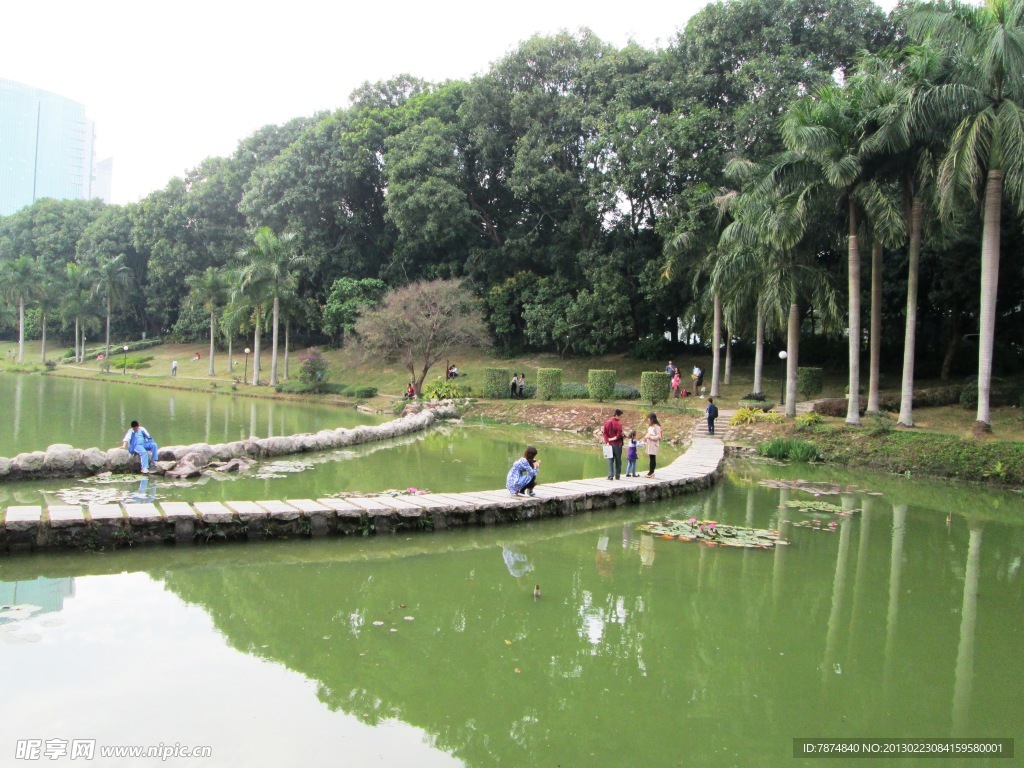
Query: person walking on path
column 712, row 413
column 174, row 367
column 612, row 433
column 522, row 386
column 523, row 474
column 513, row 386
column 137, row 440
column 652, row 441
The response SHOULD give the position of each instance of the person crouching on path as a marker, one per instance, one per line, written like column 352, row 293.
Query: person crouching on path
column 523, row 474
column 137, row 440
column 652, row 441
column 612, row 434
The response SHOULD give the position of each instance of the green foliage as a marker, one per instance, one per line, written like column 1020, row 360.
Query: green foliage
column 654, row 386
column 1000, row 393
column 192, row 325
column 133, row 346
column 760, row 405
column 809, row 382
column 296, row 387
column 744, row 417
column 135, row 363
column 442, row 389
column 496, row 382
column 572, row 390
column 601, row 384
column 359, row 391
column 787, row 448
column 349, row 297
column 314, row 369
column 806, row 421
column 549, row 383
column 770, row 417
column 754, row 397
column 651, row 348
column 836, row 407
column 925, row 398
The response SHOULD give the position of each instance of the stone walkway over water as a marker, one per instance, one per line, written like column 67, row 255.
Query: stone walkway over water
column 31, row 528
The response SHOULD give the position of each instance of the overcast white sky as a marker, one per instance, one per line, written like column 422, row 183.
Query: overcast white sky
column 169, row 84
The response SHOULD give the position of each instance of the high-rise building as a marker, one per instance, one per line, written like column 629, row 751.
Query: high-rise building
column 46, row 148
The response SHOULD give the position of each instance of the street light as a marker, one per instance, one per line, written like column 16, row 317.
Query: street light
column 782, row 358
column 125, row 371
column 246, row 374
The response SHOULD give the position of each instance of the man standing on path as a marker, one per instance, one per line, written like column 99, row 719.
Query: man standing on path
column 174, row 367
column 612, row 433
column 137, row 440
column 712, row 413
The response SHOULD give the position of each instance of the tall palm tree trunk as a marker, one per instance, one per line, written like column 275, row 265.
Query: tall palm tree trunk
column 989, row 285
column 256, row 349
column 106, row 350
column 758, row 352
column 876, row 326
column 728, row 358
column 273, row 343
column 212, row 326
column 231, row 357
column 853, row 268
column 287, row 329
column 76, row 340
column 910, row 334
column 42, row 329
column 792, row 359
column 21, row 331
column 716, row 341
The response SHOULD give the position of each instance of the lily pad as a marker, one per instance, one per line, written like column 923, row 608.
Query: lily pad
column 713, row 533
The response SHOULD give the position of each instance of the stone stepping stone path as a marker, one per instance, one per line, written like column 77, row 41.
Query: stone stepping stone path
column 67, row 526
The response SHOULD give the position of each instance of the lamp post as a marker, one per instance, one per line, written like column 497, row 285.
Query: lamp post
column 124, row 371
column 246, row 374
column 782, row 358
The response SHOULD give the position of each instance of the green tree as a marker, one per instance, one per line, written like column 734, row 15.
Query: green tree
column 20, row 283
column 985, row 98
column 112, row 281
column 209, row 291
column 347, row 299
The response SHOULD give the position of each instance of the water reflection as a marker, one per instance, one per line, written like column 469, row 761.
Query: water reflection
column 742, row 649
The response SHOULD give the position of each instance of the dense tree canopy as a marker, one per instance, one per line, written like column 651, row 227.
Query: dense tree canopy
column 558, row 185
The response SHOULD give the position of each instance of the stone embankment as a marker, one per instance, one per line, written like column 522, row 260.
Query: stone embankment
column 32, row 528
column 66, row 461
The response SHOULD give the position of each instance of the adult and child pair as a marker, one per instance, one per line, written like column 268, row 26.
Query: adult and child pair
column 615, row 437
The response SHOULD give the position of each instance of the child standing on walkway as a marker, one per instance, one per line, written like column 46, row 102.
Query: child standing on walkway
column 631, row 455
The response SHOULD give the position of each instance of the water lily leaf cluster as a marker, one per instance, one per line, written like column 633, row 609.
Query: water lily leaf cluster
column 712, row 533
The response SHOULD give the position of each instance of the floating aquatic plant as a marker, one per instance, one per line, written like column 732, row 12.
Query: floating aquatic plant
column 712, row 533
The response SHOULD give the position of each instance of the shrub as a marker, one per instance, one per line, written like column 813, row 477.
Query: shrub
column 133, row 346
column 314, row 369
column 807, row 420
column 133, row 363
column 496, row 382
column 654, row 386
column 770, row 417
column 809, row 382
column 999, row 393
column 441, row 389
column 574, row 391
column 651, row 348
column 601, row 384
column 625, row 392
column 744, row 416
column 293, row 387
column 835, row 407
column 879, row 424
column 755, row 397
column 359, row 391
column 760, row 405
column 783, row 448
column 549, row 382
column 50, row 364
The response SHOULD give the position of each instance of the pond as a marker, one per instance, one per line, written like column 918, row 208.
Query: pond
column 900, row 620
column 42, row 410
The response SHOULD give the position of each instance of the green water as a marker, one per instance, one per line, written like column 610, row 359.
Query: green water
column 905, row 621
column 42, row 410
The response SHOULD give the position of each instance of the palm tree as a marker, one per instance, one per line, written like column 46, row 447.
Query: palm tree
column 208, row 290
column 112, row 278
column 20, row 282
column 824, row 137
column 268, row 263
column 77, row 304
column 985, row 98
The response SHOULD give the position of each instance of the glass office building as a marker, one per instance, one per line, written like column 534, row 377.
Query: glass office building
column 46, row 147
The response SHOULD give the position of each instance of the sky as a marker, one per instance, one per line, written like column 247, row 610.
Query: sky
column 170, row 84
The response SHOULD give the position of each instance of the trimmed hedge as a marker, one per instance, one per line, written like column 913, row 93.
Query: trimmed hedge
column 809, row 382
column 359, row 391
column 133, row 346
column 549, row 383
column 836, row 407
column 496, row 382
column 601, row 384
column 654, row 386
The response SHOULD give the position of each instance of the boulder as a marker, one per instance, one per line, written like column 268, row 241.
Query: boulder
column 184, row 469
column 235, row 465
column 119, row 461
column 94, row 460
column 411, row 409
column 170, row 452
column 5, row 466
column 62, row 460
column 28, row 463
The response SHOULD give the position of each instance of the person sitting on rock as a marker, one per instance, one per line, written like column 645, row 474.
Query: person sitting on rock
column 137, row 440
